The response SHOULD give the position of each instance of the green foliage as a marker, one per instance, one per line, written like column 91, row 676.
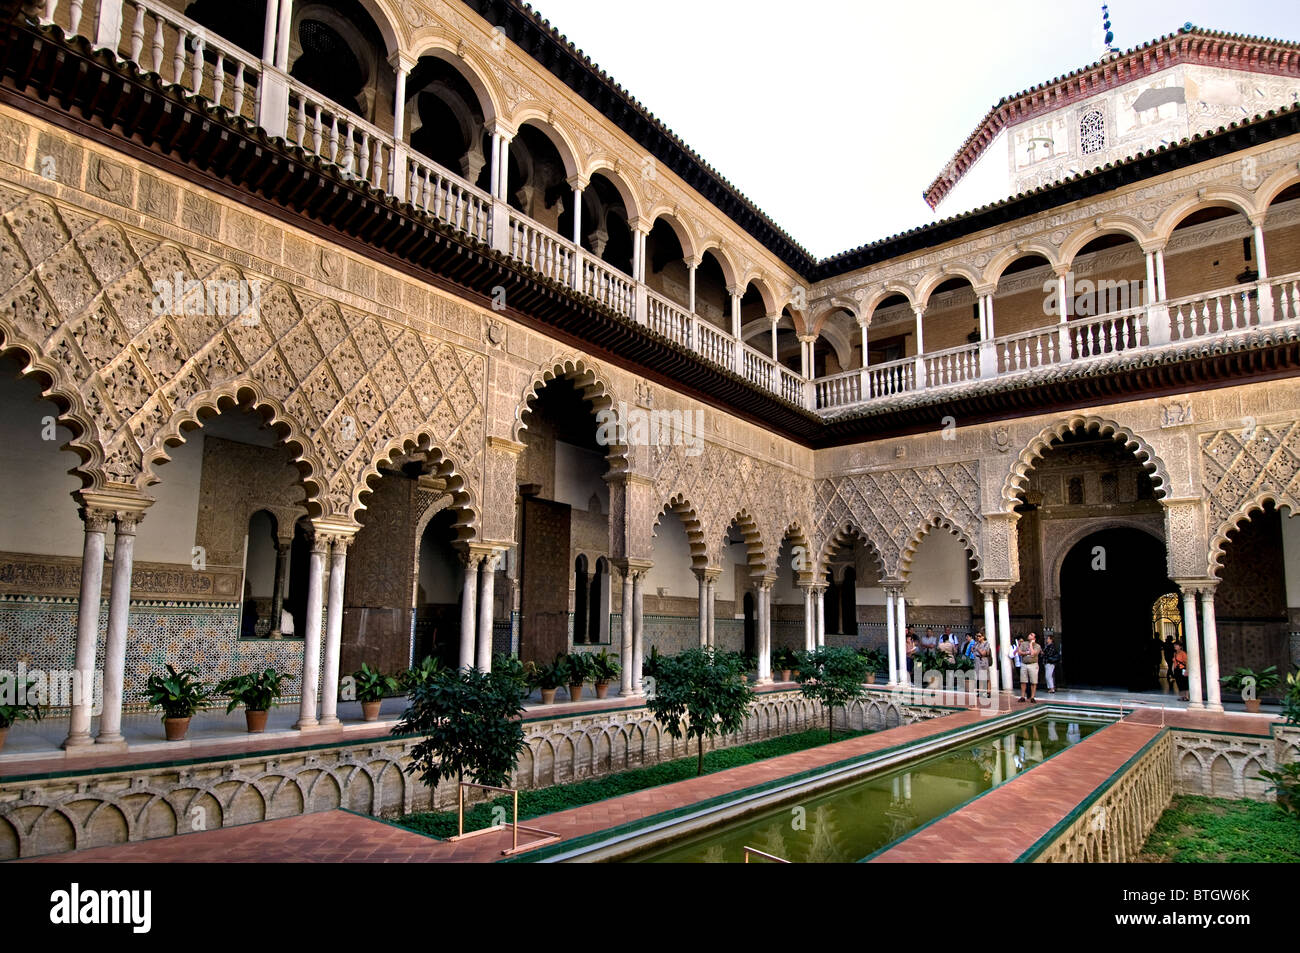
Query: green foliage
column 833, row 676
column 470, row 723
column 256, row 691
column 605, row 667
column 1285, row 783
column 11, row 710
column 784, row 659
column 178, row 694
column 701, row 693
column 547, row 676
column 373, row 685
column 576, row 668
column 877, row 661
column 650, row 665
column 1264, row 680
column 511, row 667
column 561, row 797
column 420, row 674
column 1291, row 700
column 1215, row 830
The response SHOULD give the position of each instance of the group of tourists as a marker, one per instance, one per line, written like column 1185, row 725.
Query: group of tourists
column 1026, row 653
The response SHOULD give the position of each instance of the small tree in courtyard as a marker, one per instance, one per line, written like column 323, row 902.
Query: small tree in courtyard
column 701, row 693
column 470, row 722
column 832, row 676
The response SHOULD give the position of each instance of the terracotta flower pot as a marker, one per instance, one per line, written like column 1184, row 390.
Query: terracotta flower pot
column 548, row 696
column 871, row 678
column 602, row 689
column 575, row 693
column 1252, row 704
column 370, row 711
column 785, row 675
column 256, row 720
column 176, row 728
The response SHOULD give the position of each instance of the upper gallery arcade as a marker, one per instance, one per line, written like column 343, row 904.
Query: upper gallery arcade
column 467, row 242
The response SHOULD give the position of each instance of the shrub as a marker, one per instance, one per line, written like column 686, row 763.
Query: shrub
column 701, row 693
column 373, row 685
column 256, row 691
column 832, row 676
column 178, row 694
column 14, row 705
column 1286, row 784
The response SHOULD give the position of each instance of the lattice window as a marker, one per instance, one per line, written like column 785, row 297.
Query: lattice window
column 1092, row 132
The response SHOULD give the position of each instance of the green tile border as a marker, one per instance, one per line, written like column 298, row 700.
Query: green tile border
column 908, row 836
column 666, row 816
column 1040, row 845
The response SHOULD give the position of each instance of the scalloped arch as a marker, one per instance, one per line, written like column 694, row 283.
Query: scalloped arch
column 932, row 522
column 444, row 464
column 592, row 384
column 1218, row 543
column 695, row 536
column 1039, row 445
column 841, row 535
column 755, row 551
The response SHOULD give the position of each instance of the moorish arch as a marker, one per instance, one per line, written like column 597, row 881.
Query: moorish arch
column 1280, row 499
column 695, row 535
column 937, row 521
column 593, row 386
column 1014, row 485
column 843, row 535
column 442, row 465
column 756, row 557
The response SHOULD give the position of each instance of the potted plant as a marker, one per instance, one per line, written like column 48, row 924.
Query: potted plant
column 14, row 704
column 179, row 695
column 604, row 669
column 421, row 674
column 373, row 686
column 877, row 662
column 546, row 677
column 257, row 692
column 785, row 659
column 1251, row 684
column 577, row 668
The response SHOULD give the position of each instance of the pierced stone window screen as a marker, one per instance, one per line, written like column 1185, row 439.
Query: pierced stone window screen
column 1092, row 132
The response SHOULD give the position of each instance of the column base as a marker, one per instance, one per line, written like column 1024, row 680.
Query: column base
column 73, row 742
column 301, row 725
column 115, row 740
column 1218, row 708
column 1196, row 706
column 330, row 722
column 765, row 681
column 626, row 693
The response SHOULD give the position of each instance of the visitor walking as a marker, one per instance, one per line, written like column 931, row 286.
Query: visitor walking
column 1051, row 659
column 1180, row 669
column 981, row 652
column 1167, row 650
column 1028, row 652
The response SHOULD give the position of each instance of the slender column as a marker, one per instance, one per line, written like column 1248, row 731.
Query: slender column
column 1151, row 278
column 774, row 319
column 92, row 584
column 1162, row 288
column 862, row 328
column 311, row 632
column 625, row 687
column 988, row 314
column 399, row 100
column 690, row 267
column 577, row 216
column 329, row 687
column 890, row 639
column 704, row 608
column 282, row 552
column 487, row 593
column 119, row 611
column 809, row 623
column 900, row 603
column 1192, row 637
column 282, row 35
column 1213, row 692
column 495, row 171
column 638, row 645
column 1259, row 252
column 1063, row 296
column 920, row 330
column 108, row 24
column 765, row 631
column 991, row 636
column 735, row 315
column 712, row 589
column 983, row 319
column 268, row 30
column 468, row 599
column 821, row 616
column 1004, row 637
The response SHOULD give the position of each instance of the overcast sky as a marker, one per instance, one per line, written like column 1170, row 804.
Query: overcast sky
column 833, row 117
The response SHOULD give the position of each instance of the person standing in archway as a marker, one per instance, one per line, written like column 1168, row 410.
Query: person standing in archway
column 1029, row 650
column 1051, row 659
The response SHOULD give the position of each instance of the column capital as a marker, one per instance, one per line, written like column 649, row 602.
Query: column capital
column 709, row 574
column 997, row 588
column 766, row 581
column 632, row 568
column 127, row 521
column 97, row 520
column 1195, row 586
column 498, row 127
column 1152, row 245
column 982, row 290
column 402, row 61
column 115, row 501
column 506, row 445
column 578, row 182
column 643, row 226
column 918, row 310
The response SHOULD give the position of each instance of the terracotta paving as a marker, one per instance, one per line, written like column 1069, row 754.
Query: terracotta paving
column 347, row 837
column 1004, row 823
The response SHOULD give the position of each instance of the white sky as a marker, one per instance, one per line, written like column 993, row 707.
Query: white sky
column 833, row 117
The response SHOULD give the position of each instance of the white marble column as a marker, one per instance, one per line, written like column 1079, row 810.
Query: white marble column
column 711, row 585
column 119, row 618
column 283, row 548
column 268, row 30
column 991, row 638
column 1162, row 289
column 486, row 608
column 468, row 603
column 809, row 622
column 1259, row 252
column 1192, row 639
column 1004, row 637
column 1210, row 634
column 820, row 616
column 329, row 683
column 900, row 603
column 92, row 584
column 774, row 319
column 765, row 632
column 891, row 639
column 625, row 686
column 282, row 35
column 311, row 632
column 704, row 608
column 577, row 216
column 638, row 643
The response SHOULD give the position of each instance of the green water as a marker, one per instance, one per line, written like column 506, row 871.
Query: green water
column 850, row 822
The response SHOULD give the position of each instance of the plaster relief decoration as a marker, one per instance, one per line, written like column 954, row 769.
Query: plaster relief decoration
column 889, row 507
column 1176, row 413
column 1245, row 468
column 345, row 387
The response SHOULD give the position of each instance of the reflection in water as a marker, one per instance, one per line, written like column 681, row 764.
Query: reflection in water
column 849, row 823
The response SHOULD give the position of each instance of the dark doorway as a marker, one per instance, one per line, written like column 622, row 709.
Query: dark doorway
column 544, row 586
column 849, row 602
column 831, row 604
column 1109, row 581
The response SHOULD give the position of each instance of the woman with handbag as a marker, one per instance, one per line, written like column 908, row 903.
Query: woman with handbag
column 1180, row 669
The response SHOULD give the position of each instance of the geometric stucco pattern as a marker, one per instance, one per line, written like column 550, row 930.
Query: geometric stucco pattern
column 720, row 486
column 1243, row 469
column 893, row 509
column 77, row 294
